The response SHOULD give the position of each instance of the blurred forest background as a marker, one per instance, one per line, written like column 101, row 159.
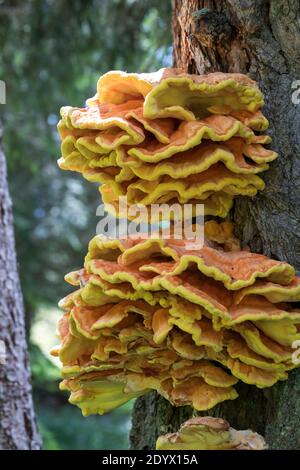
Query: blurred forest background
column 52, row 53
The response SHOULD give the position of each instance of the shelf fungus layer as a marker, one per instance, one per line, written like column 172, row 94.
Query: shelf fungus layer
column 207, row 433
column 156, row 314
column 169, row 137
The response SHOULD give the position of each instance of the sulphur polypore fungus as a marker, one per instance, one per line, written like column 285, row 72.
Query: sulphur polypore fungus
column 207, row 433
column 161, row 314
column 169, row 137
column 155, row 315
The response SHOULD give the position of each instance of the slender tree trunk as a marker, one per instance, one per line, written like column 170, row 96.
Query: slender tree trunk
column 262, row 40
column 17, row 421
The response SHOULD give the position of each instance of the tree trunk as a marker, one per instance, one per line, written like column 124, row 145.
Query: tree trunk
column 17, row 422
column 261, row 39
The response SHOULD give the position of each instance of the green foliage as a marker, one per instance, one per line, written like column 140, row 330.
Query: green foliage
column 92, row 433
column 45, row 375
column 52, row 55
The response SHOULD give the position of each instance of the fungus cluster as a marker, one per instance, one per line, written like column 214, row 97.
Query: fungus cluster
column 159, row 313
column 154, row 314
column 169, row 137
column 209, row 433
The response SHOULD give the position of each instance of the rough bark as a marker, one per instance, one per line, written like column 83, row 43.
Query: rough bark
column 263, row 42
column 17, row 422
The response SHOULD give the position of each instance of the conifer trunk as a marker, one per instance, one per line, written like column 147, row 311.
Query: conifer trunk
column 17, row 421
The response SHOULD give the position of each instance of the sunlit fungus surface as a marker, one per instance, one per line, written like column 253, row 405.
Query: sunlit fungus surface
column 169, row 137
column 154, row 314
